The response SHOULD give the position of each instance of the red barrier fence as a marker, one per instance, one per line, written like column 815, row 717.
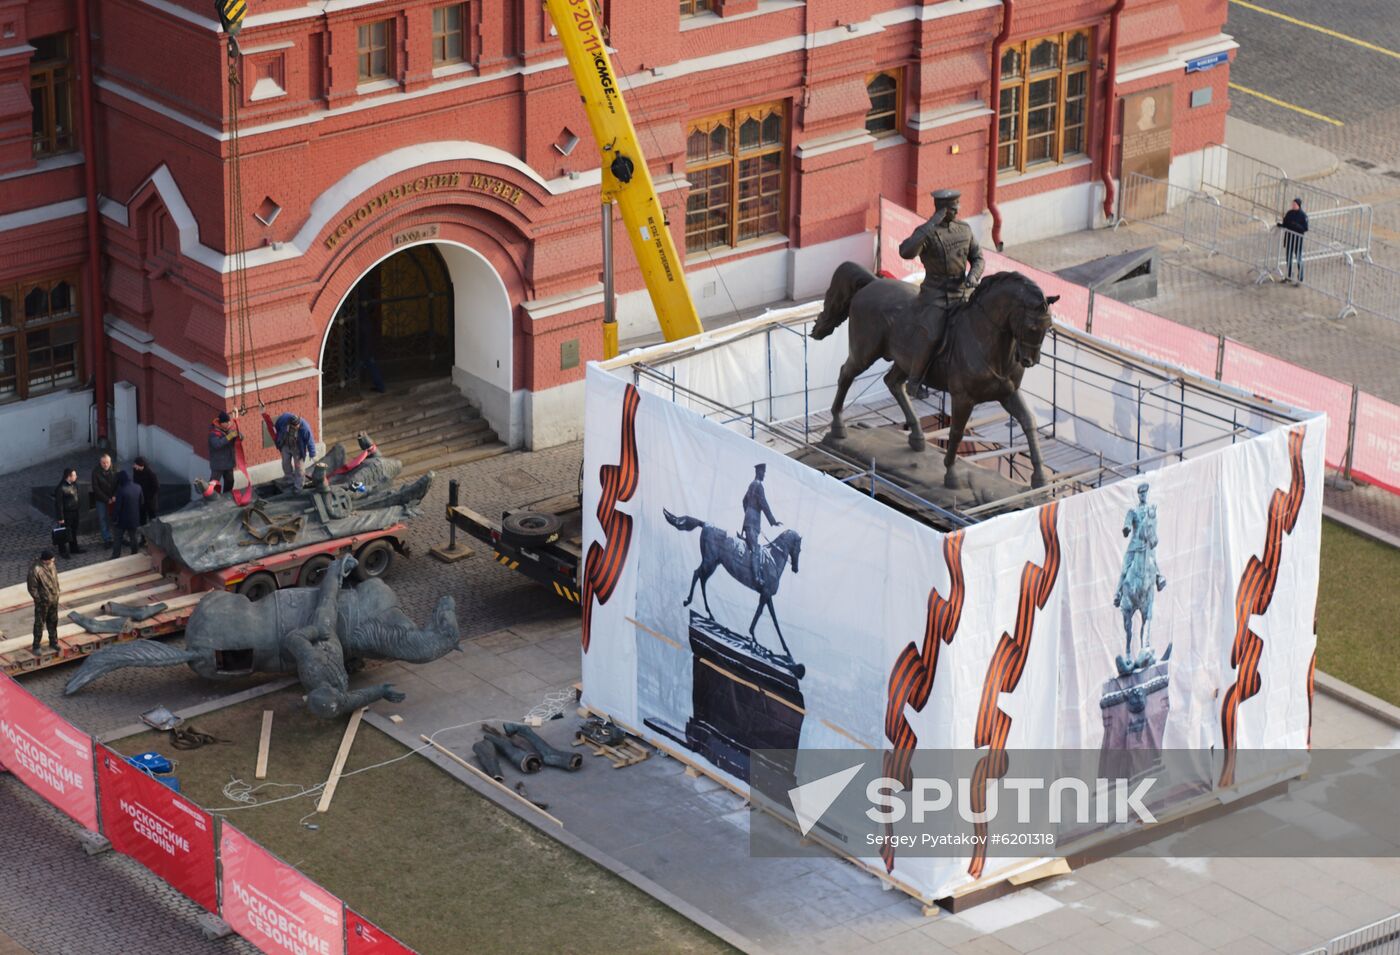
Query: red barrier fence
column 1155, row 336
column 273, row 905
column 1376, row 453
column 264, row 899
column 1275, row 378
column 158, row 827
column 46, row 753
column 363, row 937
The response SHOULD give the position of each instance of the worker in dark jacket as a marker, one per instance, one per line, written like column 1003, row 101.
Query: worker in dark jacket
column 1294, row 225
column 295, row 441
column 126, row 514
column 67, row 511
column 223, row 439
column 104, row 492
column 43, row 588
column 145, row 476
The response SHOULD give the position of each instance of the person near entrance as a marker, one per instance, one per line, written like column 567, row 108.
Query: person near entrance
column 126, row 515
column 44, row 589
column 951, row 258
column 223, row 458
column 104, row 494
column 293, row 438
column 144, row 475
column 67, row 511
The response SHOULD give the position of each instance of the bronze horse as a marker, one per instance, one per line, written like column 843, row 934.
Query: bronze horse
column 989, row 343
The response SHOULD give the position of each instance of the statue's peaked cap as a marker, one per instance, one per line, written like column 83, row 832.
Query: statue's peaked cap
column 941, row 197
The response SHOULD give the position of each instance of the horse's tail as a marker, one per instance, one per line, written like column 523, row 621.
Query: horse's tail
column 683, row 523
column 848, row 279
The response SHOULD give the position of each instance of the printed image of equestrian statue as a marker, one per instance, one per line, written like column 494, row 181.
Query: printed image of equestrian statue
column 745, row 696
column 1134, row 702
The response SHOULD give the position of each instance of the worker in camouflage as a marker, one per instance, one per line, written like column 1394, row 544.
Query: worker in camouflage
column 43, row 587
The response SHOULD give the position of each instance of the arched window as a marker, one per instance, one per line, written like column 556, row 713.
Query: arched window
column 737, row 166
column 884, row 92
column 1042, row 111
column 40, row 331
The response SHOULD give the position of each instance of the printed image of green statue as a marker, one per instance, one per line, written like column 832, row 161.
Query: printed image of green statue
column 1139, row 582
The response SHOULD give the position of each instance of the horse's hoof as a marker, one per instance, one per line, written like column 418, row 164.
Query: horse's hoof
column 1145, row 659
column 837, row 432
column 916, row 440
column 1124, row 666
column 950, row 480
column 685, row 603
column 1037, row 480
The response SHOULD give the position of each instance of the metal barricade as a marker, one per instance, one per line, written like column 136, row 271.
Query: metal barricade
column 1326, row 269
column 1160, row 204
column 1376, row 289
column 1337, row 218
column 1379, row 938
column 1239, row 181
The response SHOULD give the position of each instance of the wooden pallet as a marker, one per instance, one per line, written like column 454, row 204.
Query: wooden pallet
column 629, row 752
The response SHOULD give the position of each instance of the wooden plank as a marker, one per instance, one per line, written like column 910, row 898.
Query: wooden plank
column 345, row 742
column 69, row 598
column 501, row 786
column 263, row 741
column 174, row 608
column 17, row 595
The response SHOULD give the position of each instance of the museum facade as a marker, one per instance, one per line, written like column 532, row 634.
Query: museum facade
column 413, row 188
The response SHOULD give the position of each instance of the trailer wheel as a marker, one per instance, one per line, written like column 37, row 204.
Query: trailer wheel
column 314, row 570
column 257, row 586
column 374, row 560
column 530, row 527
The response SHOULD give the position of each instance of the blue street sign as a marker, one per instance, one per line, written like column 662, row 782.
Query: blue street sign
column 1206, row 62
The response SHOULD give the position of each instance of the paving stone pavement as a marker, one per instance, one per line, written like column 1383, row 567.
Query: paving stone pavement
column 690, row 836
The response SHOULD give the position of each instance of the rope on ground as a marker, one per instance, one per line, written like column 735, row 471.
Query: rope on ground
column 243, row 795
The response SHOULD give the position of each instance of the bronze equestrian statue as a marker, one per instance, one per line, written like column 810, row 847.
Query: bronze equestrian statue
column 989, row 341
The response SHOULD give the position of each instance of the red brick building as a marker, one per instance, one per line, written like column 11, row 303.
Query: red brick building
column 419, row 184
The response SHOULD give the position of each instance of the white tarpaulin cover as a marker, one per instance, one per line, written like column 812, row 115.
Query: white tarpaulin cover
column 1003, row 635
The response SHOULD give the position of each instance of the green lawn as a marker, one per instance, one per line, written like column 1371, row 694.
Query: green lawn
column 417, row 852
column 1358, row 612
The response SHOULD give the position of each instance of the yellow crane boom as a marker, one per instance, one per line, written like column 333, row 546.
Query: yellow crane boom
column 626, row 179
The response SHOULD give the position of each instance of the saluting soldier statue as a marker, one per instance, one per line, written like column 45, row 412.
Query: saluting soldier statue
column 952, row 262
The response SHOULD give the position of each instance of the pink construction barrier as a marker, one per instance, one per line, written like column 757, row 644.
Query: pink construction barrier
column 363, row 937
column 158, row 828
column 1155, row 336
column 1376, row 457
column 1275, row 378
column 273, row 905
column 47, row 753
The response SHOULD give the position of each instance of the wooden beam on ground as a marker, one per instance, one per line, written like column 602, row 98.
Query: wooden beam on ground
column 17, row 595
column 264, row 740
column 501, row 786
column 345, row 742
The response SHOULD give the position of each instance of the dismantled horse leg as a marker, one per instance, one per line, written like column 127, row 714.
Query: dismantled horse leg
column 329, row 702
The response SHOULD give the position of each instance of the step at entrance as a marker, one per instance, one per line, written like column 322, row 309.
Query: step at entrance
column 429, row 427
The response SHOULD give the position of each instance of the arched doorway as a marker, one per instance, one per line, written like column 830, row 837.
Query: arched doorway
column 394, row 328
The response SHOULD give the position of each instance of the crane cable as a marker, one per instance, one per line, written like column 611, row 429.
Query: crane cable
column 241, row 331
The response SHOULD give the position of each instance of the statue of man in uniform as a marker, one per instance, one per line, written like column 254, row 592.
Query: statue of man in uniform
column 755, row 509
column 1140, row 579
column 952, row 261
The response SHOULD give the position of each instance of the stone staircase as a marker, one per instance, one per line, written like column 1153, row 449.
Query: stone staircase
column 428, row 427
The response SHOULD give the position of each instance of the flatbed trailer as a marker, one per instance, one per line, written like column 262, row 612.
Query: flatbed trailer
column 152, row 577
column 542, row 540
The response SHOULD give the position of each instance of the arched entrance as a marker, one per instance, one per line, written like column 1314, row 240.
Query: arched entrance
column 395, row 327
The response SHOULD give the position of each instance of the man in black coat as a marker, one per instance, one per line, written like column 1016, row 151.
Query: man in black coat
column 1294, row 224
column 67, row 511
column 145, row 476
column 104, row 491
column 126, row 514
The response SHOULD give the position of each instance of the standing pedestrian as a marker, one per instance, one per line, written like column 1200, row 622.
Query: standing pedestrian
column 295, row 441
column 223, row 436
column 126, row 514
column 43, row 587
column 104, row 495
column 1294, row 225
column 145, row 476
column 67, row 511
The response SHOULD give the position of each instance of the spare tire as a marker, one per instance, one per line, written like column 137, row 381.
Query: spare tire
column 530, row 528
